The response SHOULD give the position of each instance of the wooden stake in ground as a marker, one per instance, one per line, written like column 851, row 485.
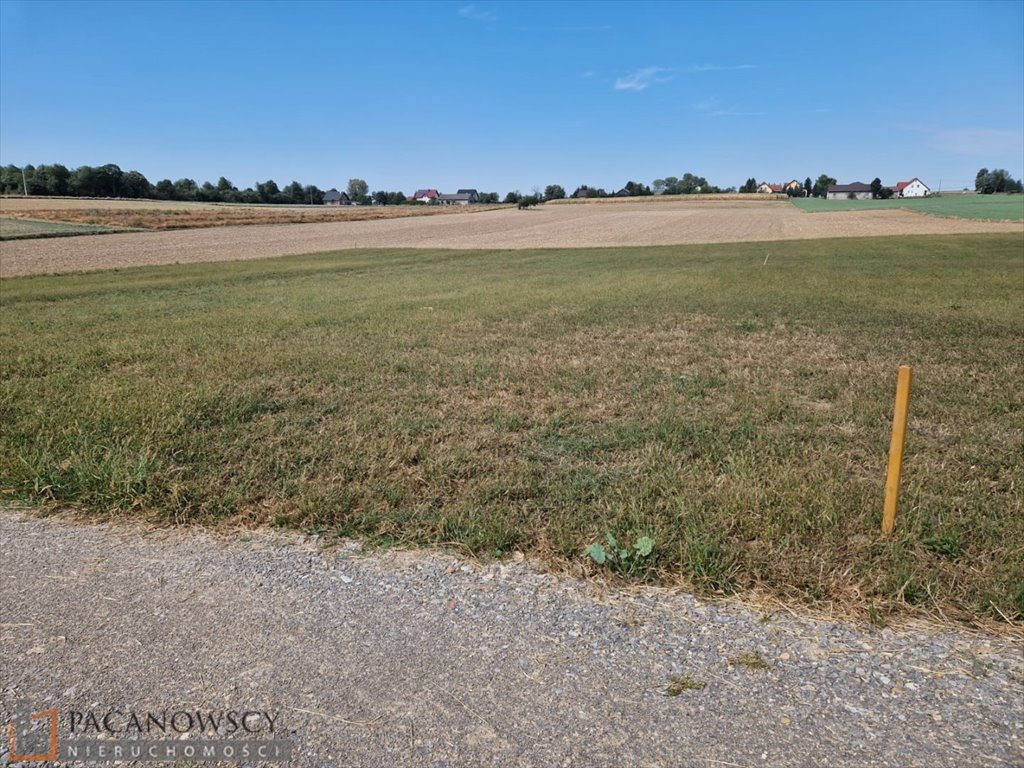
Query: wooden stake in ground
column 899, row 432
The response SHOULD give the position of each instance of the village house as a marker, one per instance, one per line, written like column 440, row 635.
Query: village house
column 855, row 191
column 913, row 188
column 766, row 189
column 462, row 197
column 425, row 196
column 334, row 197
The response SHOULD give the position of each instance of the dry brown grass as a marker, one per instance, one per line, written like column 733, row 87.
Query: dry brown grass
column 18, row 203
column 204, row 216
column 723, row 197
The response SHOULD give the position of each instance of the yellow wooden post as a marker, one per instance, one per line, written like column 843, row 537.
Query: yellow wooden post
column 899, row 432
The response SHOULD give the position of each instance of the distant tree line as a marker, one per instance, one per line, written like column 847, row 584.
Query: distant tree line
column 689, row 184
column 110, row 181
column 989, row 182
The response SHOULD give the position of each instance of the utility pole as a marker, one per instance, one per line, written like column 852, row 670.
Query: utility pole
column 24, row 181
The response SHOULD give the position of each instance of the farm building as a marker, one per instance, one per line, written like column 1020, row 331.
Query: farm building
column 792, row 184
column 462, row 197
column 334, row 197
column 425, row 195
column 857, row 191
column 913, row 188
column 766, row 189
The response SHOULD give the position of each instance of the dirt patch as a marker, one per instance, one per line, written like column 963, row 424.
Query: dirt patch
column 555, row 226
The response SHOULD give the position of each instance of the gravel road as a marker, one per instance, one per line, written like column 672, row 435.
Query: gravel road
column 553, row 226
column 405, row 659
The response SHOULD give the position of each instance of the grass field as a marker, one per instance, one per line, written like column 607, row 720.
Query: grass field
column 735, row 412
column 19, row 229
column 988, row 207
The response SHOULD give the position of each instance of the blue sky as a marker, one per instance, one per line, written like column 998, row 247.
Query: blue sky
column 502, row 96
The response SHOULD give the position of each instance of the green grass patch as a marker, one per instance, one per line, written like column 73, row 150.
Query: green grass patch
column 991, row 207
column 735, row 414
column 24, row 229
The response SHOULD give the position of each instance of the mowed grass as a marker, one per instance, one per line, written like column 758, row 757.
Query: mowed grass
column 992, row 207
column 19, row 229
column 736, row 412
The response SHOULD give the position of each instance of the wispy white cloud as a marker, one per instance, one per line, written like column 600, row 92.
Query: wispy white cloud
column 977, row 141
column 966, row 141
column 707, row 105
column 588, row 73
column 475, row 13
column 642, row 79
column 714, row 108
column 730, row 112
column 719, row 67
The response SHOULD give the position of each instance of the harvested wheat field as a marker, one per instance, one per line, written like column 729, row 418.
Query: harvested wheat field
column 161, row 215
column 554, row 226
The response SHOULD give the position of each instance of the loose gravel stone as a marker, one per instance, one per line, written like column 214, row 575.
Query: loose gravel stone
column 417, row 659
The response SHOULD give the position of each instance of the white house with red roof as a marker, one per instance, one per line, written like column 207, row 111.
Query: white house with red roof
column 425, row 196
column 913, row 188
column 766, row 189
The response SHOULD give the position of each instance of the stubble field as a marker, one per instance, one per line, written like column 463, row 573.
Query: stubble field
column 550, row 226
column 156, row 215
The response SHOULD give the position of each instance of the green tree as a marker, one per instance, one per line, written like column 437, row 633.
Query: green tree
column 999, row 180
column 820, row 188
column 49, row 180
column 750, row 185
column 981, row 181
column 512, row 197
column 226, row 192
column 134, row 184
column 554, row 192
column 10, row 180
column 584, row 191
column 313, row 195
column 808, row 187
column 186, row 189
column 208, row 193
column 358, row 190
column 268, row 191
column 876, row 187
column 108, row 181
column 636, row 189
column 83, row 182
column 294, row 193
column 689, row 184
column 164, row 190
column 35, row 180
